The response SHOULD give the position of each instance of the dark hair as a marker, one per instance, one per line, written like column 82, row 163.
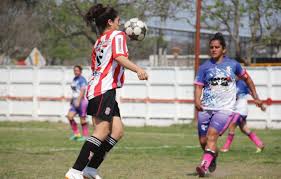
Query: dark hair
column 100, row 15
column 218, row 36
column 78, row 66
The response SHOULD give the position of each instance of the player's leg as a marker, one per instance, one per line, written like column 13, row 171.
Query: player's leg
column 91, row 146
column 117, row 131
column 202, row 127
column 70, row 116
column 100, row 110
column 219, row 123
column 252, row 136
column 203, row 142
column 83, row 115
column 204, row 118
column 231, row 133
column 209, row 153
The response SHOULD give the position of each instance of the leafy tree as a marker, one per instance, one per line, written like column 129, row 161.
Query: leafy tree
column 232, row 15
column 67, row 32
column 19, row 27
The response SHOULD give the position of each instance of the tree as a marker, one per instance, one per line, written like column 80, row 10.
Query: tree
column 19, row 27
column 66, row 24
column 232, row 15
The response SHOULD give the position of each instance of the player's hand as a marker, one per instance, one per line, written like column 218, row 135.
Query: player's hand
column 142, row 75
column 198, row 106
column 258, row 102
column 263, row 108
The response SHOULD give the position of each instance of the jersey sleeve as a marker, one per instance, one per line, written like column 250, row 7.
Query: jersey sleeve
column 239, row 71
column 119, row 45
column 83, row 83
column 199, row 79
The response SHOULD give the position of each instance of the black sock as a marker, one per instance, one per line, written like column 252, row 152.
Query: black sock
column 106, row 146
column 91, row 145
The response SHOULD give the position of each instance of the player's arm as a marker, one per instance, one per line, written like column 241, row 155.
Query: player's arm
column 81, row 95
column 199, row 84
column 262, row 107
column 198, row 94
column 125, row 62
column 252, row 88
column 120, row 54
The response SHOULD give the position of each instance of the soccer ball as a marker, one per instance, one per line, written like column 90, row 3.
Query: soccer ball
column 135, row 29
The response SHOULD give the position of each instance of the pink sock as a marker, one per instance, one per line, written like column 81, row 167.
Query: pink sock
column 254, row 138
column 85, row 130
column 207, row 159
column 74, row 127
column 228, row 141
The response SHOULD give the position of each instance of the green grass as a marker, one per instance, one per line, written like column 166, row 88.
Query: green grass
column 42, row 150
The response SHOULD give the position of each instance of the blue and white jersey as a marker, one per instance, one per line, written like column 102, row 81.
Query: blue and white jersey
column 78, row 83
column 219, row 83
column 242, row 88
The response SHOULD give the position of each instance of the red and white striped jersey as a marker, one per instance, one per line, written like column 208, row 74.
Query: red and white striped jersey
column 107, row 73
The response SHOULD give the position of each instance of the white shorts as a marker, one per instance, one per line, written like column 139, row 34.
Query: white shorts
column 241, row 105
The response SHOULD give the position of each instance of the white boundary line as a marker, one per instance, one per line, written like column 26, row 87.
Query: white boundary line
column 63, row 149
column 126, row 132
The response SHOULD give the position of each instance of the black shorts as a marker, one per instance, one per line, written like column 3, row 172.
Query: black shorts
column 104, row 106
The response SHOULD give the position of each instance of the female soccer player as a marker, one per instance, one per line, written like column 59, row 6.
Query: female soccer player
column 241, row 110
column 216, row 77
column 109, row 58
column 79, row 105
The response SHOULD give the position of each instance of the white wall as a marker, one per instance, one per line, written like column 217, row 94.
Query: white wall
column 43, row 94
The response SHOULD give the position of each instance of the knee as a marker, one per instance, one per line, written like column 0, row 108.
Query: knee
column 83, row 121
column 69, row 117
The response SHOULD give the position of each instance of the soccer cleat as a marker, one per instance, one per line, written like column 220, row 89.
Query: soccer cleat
column 73, row 174
column 201, row 171
column 224, row 149
column 74, row 137
column 90, row 173
column 259, row 149
column 81, row 139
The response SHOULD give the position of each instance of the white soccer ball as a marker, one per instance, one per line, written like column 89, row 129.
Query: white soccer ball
column 135, row 29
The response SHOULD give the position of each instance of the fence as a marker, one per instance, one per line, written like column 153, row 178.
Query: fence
column 31, row 93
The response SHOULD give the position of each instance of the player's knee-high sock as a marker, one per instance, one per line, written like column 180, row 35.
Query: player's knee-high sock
column 255, row 139
column 228, row 141
column 208, row 157
column 74, row 127
column 85, row 129
column 106, row 146
column 91, row 145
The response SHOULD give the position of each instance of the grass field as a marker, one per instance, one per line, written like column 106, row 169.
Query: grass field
column 42, row 150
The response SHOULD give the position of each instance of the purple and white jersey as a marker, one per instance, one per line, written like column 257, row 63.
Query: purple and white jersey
column 242, row 88
column 219, row 83
column 78, row 83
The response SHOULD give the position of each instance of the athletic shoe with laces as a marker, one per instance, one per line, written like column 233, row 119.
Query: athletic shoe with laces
column 90, row 173
column 73, row 174
column 201, row 171
column 259, row 149
column 74, row 137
